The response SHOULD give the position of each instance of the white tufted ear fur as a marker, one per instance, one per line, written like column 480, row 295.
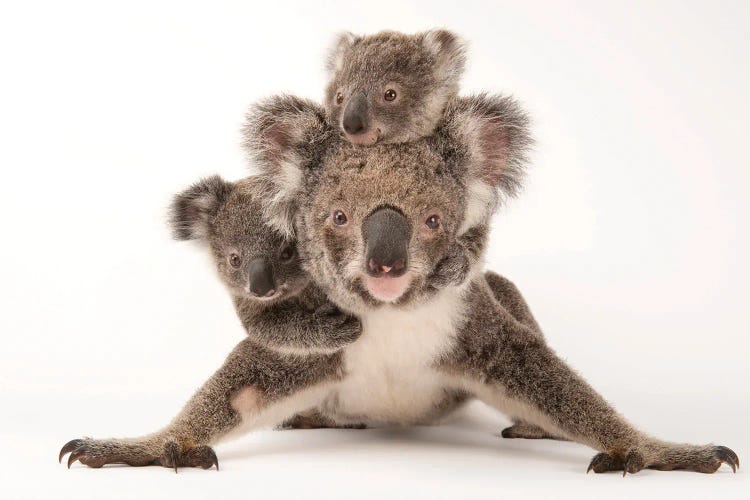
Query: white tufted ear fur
column 449, row 51
column 341, row 44
column 492, row 131
column 192, row 210
column 281, row 135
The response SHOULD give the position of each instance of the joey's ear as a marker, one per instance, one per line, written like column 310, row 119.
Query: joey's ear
column 494, row 133
column 341, row 44
column 191, row 210
column 449, row 51
column 285, row 136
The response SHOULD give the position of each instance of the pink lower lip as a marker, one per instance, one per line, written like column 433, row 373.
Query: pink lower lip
column 366, row 139
column 387, row 289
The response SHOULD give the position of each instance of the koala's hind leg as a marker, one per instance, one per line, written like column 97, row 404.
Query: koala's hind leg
column 255, row 387
column 506, row 292
column 313, row 419
column 524, row 430
column 509, row 367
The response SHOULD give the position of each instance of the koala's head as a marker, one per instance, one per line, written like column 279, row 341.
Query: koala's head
column 252, row 259
column 381, row 219
column 392, row 87
column 375, row 222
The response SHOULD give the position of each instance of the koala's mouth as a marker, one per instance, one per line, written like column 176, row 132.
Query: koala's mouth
column 386, row 288
column 272, row 295
column 369, row 138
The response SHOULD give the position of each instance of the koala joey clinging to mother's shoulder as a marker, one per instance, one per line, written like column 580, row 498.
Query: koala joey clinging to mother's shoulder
column 274, row 298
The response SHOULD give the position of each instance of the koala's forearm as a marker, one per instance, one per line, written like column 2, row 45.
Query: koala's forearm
column 292, row 326
column 246, row 392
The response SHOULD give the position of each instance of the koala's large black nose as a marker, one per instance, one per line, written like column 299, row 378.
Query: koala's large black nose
column 386, row 233
column 356, row 118
column 261, row 278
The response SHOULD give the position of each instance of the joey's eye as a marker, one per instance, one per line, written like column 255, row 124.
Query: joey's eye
column 339, row 97
column 234, row 260
column 339, row 218
column 287, row 253
column 432, row 222
column 389, row 95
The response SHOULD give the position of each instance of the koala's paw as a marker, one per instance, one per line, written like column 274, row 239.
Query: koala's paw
column 97, row 453
column 338, row 325
column 705, row 459
column 524, row 430
column 451, row 270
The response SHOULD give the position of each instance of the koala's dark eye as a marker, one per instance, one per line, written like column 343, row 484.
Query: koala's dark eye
column 432, row 222
column 287, row 253
column 339, row 97
column 339, row 218
column 389, row 95
column 234, row 260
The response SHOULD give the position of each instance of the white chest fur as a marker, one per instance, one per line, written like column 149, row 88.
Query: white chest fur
column 390, row 378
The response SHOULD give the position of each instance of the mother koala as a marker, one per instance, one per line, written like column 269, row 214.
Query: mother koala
column 373, row 223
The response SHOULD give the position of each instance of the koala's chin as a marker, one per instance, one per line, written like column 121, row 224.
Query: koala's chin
column 379, row 292
column 386, row 289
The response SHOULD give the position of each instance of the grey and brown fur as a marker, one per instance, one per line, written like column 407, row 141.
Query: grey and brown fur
column 421, row 72
column 393, row 87
column 416, row 353
column 274, row 298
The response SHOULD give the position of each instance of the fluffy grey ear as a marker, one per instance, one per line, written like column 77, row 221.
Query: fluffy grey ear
column 191, row 210
column 449, row 51
column 284, row 136
column 488, row 135
column 341, row 44
column 494, row 130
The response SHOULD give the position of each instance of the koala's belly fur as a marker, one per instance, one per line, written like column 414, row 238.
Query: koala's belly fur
column 390, row 379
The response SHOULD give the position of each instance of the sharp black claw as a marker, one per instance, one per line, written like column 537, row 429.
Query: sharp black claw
column 173, row 451
column 77, row 453
column 723, row 451
column 69, row 446
column 728, row 456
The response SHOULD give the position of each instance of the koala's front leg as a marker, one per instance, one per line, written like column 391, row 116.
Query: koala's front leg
column 241, row 395
column 290, row 326
column 510, row 367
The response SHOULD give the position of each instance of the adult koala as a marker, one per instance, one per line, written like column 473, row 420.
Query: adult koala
column 373, row 223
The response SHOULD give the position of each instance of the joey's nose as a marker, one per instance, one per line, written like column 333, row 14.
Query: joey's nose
column 261, row 278
column 386, row 233
column 356, row 118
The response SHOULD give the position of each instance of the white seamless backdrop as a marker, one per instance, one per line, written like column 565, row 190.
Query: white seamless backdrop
column 630, row 241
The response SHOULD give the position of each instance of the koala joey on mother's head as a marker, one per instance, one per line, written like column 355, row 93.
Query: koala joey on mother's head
column 392, row 87
column 274, row 298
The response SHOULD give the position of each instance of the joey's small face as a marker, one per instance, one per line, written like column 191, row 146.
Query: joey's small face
column 391, row 87
column 381, row 221
column 252, row 259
